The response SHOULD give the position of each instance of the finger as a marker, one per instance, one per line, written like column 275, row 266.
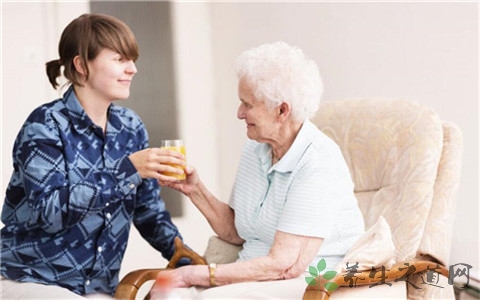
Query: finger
column 170, row 152
column 166, row 183
column 189, row 169
column 171, row 161
column 172, row 169
column 165, row 179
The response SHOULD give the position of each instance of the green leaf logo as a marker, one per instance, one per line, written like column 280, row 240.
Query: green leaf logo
column 313, row 271
column 310, row 280
column 322, row 264
column 331, row 286
column 329, row 275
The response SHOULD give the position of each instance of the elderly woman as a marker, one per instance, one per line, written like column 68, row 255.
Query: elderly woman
column 292, row 202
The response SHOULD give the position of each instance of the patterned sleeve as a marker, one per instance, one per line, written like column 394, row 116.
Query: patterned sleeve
column 43, row 193
column 153, row 220
column 151, row 217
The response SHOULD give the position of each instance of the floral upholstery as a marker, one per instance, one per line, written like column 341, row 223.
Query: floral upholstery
column 405, row 163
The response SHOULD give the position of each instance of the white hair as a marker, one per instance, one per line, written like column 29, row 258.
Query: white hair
column 282, row 73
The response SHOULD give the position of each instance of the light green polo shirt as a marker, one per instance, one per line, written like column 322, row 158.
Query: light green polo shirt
column 308, row 192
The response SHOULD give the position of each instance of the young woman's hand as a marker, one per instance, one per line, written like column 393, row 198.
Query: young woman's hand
column 153, row 162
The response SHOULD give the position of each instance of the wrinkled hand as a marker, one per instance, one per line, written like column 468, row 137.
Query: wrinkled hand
column 151, row 162
column 170, row 279
column 185, row 186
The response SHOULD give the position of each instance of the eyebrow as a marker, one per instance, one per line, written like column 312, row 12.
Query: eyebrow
column 245, row 102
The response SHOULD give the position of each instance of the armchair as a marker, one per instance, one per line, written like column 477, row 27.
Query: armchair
column 405, row 163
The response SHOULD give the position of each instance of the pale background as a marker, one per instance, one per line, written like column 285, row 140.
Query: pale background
column 423, row 51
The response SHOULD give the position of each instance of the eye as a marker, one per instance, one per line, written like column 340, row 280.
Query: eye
column 119, row 58
column 245, row 104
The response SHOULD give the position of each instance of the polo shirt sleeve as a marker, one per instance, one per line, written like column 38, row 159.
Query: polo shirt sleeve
column 319, row 188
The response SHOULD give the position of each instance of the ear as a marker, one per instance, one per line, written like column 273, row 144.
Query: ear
column 79, row 65
column 284, row 110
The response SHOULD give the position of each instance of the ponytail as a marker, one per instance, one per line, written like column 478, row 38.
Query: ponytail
column 53, row 71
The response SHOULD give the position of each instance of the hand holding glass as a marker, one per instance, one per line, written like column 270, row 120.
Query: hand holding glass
column 175, row 145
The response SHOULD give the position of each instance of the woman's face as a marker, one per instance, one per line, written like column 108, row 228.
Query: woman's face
column 262, row 123
column 110, row 75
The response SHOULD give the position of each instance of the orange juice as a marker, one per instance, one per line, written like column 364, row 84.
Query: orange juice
column 181, row 149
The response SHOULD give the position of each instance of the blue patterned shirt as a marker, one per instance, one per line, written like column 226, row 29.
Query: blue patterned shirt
column 73, row 195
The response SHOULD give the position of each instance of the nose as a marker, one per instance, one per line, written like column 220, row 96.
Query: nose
column 240, row 112
column 131, row 68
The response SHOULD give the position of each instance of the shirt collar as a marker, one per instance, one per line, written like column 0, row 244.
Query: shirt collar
column 294, row 154
column 81, row 121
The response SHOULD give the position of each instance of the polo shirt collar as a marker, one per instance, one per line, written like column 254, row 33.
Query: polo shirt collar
column 290, row 160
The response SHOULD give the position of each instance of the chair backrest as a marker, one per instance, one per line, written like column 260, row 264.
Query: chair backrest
column 436, row 240
column 405, row 163
column 393, row 148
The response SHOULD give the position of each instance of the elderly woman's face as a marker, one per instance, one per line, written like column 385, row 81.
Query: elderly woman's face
column 261, row 121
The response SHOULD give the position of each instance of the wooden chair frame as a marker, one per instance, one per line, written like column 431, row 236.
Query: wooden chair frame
column 131, row 283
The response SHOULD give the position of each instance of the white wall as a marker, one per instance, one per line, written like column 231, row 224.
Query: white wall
column 30, row 34
column 422, row 51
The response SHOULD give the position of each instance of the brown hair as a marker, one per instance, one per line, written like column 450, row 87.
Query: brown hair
column 86, row 36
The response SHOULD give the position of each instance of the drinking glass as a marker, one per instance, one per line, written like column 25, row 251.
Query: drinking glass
column 175, row 145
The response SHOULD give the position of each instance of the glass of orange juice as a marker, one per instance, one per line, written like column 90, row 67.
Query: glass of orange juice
column 175, row 145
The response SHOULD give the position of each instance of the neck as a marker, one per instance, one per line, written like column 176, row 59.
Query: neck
column 94, row 106
column 286, row 138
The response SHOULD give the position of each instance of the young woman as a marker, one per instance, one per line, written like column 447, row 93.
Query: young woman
column 83, row 171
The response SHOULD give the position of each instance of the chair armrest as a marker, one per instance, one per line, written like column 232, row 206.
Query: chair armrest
column 182, row 251
column 398, row 270
column 131, row 283
column 221, row 252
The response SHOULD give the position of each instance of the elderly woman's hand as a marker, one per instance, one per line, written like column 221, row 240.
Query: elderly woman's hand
column 185, row 186
column 182, row 277
column 164, row 284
